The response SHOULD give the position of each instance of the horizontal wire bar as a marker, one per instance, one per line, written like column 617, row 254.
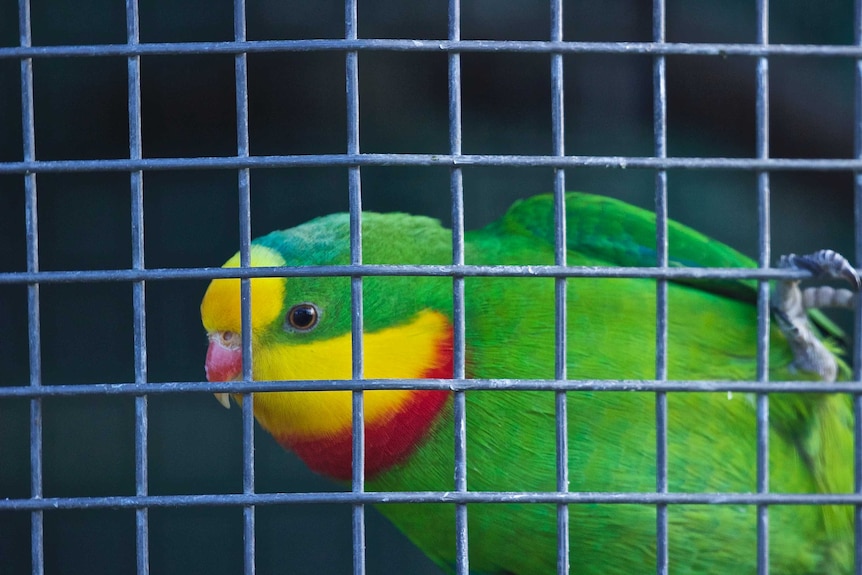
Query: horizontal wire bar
column 642, row 385
column 447, row 160
column 371, row 497
column 429, row 45
column 396, row 270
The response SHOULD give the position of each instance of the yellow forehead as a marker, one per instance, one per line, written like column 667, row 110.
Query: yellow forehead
column 220, row 308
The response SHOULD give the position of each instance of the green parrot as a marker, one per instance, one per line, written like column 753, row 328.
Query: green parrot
column 301, row 329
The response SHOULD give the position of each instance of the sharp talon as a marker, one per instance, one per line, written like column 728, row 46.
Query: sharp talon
column 838, row 267
column 852, row 277
column 824, row 263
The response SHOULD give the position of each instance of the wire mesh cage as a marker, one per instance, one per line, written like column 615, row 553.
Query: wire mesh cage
column 143, row 144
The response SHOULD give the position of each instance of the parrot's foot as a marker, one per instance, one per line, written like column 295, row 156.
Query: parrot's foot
column 791, row 304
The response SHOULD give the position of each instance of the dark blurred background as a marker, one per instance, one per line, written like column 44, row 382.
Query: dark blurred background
column 297, row 106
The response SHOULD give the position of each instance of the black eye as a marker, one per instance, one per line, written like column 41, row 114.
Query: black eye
column 301, row 317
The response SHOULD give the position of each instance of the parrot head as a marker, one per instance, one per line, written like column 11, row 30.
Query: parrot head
column 301, row 330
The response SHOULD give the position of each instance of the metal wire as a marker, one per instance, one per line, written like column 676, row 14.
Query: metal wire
column 762, row 405
column 446, row 160
column 142, row 547
column 37, row 542
column 420, row 45
column 395, row 497
column 560, row 284
column 353, row 160
column 244, row 202
column 446, row 384
column 152, row 274
column 857, row 331
column 456, row 187
column 355, row 193
column 661, row 248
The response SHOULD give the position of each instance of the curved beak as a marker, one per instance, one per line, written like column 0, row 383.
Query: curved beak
column 223, row 363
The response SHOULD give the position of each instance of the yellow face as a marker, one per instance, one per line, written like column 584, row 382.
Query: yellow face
column 220, row 309
column 407, row 350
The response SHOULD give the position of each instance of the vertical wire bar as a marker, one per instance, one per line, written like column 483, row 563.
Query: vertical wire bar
column 355, row 193
column 138, row 290
column 661, row 411
column 560, row 320
column 857, row 332
column 762, row 118
column 456, row 185
column 244, row 184
column 34, row 333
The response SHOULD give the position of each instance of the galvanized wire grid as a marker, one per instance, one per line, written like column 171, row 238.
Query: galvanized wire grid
column 354, row 160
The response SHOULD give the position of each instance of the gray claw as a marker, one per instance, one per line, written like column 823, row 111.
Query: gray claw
column 824, row 264
column 790, row 305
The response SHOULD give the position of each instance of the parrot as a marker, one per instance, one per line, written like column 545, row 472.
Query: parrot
column 301, row 330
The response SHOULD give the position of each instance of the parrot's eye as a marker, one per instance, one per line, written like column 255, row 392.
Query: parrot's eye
column 301, row 317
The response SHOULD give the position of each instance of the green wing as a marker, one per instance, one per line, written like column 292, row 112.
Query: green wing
column 618, row 234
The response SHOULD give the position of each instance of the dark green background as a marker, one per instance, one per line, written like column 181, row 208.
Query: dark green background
column 297, row 106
